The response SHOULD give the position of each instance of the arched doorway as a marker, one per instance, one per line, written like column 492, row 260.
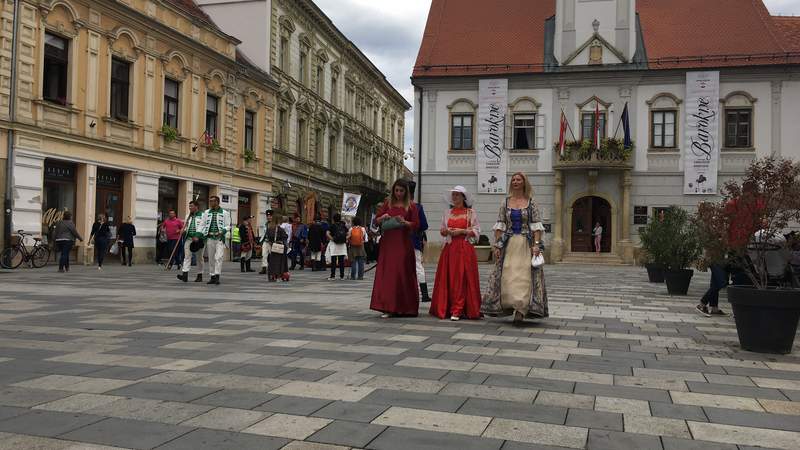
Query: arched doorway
column 586, row 212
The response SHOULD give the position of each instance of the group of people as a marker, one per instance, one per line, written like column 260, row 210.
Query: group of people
column 516, row 285
column 65, row 234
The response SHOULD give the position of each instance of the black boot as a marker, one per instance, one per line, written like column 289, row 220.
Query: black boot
column 199, row 278
column 423, row 289
column 183, row 276
column 247, row 266
column 241, row 264
column 263, row 271
column 214, row 279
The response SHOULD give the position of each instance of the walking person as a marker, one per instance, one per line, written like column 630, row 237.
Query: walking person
column 264, row 244
column 236, row 242
column 194, row 243
column 277, row 237
column 248, row 244
column 216, row 225
column 395, row 291
column 709, row 303
column 420, row 239
column 125, row 235
column 457, row 289
column 315, row 242
column 337, row 246
column 65, row 234
column 356, row 238
column 597, row 232
column 298, row 241
column 515, row 287
column 172, row 227
column 101, row 234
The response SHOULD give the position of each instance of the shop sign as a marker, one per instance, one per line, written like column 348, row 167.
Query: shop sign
column 226, row 198
column 59, row 172
column 105, row 178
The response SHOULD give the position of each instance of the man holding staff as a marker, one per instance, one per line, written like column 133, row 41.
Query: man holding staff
column 216, row 224
column 193, row 243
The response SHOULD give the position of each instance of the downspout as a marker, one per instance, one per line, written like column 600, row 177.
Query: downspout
column 419, row 150
column 8, row 201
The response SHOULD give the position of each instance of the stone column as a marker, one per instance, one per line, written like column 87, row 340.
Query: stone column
column 86, row 193
column 557, row 251
column 625, row 246
column 128, row 197
column 185, row 191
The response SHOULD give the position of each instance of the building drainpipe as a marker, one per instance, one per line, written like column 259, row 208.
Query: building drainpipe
column 8, row 201
column 419, row 150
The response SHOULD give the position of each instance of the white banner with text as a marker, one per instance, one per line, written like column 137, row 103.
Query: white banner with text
column 701, row 154
column 491, row 159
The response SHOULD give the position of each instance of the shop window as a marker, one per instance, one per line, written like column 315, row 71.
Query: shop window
column 738, row 126
column 171, row 99
column 461, row 132
column 249, row 124
column 524, row 131
column 212, row 105
column 587, row 125
column 56, row 65
column 59, row 188
column 120, row 88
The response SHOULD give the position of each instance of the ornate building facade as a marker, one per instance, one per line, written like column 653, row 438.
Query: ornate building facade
column 128, row 108
column 339, row 124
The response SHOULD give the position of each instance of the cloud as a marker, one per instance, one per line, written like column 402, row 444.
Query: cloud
column 784, row 7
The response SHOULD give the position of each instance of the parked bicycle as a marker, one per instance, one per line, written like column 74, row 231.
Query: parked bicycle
column 12, row 257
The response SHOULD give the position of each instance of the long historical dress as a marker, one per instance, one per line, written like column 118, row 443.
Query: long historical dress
column 278, row 262
column 457, row 289
column 395, row 290
column 515, row 285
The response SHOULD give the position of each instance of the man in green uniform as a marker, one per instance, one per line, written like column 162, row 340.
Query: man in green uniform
column 194, row 240
column 216, row 224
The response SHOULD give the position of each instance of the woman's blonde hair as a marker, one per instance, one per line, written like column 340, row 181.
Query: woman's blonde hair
column 527, row 189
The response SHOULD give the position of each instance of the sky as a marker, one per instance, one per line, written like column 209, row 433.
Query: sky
column 389, row 33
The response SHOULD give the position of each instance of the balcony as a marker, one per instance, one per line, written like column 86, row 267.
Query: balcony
column 582, row 155
column 362, row 182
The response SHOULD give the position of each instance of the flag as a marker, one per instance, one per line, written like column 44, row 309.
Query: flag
column 562, row 142
column 626, row 126
column 596, row 134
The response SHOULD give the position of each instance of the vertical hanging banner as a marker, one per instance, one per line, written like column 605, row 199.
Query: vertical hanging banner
column 350, row 204
column 491, row 158
column 701, row 154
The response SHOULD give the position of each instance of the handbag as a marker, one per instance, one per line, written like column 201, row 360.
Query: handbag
column 391, row 223
column 162, row 235
column 114, row 250
column 276, row 247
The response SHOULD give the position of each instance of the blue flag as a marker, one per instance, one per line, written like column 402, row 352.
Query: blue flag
column 626, row 126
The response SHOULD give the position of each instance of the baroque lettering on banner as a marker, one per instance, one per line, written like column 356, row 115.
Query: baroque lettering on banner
column 491, row 159
column 701, row 156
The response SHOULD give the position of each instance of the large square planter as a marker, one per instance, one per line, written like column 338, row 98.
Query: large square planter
column 766, row 319
column 678, row 281
column 483, row 253
column 655, row 272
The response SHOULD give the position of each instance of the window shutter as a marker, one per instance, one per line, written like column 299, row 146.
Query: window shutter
column 540, row 121
column 509, row 138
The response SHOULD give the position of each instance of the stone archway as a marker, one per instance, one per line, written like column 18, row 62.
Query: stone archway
column 586, row 212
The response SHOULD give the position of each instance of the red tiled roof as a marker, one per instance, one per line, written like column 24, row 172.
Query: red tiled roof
column 476, row 37
column 790, row 26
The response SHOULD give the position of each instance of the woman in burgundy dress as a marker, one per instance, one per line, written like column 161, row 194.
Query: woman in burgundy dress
column 395, row 292
column 457, row 290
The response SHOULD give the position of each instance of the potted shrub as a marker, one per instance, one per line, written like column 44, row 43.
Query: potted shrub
column 483, row 249
column 653, row 238
column 747, row 227
column 682, row 249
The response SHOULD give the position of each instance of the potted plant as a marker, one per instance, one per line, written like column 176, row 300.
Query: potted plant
column 170, row 133
column 483, row 249
column 746, row 228
column 653, row 238
column 682, row 249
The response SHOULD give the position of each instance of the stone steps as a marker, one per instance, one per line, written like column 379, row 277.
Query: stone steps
column 604, row 259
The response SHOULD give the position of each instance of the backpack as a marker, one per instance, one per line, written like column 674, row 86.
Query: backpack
column 357, row 237
column 339, row 234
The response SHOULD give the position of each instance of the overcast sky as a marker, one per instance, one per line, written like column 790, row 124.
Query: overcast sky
column 389, row 33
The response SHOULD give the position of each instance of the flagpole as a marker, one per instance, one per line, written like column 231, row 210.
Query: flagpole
column 568, row 126
column 619, row 123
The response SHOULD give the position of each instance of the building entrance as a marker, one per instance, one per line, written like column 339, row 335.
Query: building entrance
column 586, row 212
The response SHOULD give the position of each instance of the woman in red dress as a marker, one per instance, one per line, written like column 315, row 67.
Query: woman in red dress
column 457, row 290
column 395, row 292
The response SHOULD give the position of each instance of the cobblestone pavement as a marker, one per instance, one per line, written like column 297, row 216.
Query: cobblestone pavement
column 133, row 358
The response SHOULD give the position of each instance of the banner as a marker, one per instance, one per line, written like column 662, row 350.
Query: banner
column 491, row 159
column 350, row 204
column 701, row 154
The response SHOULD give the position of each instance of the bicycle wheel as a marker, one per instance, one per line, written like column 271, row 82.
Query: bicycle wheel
column 11, row 258
column 40, row 257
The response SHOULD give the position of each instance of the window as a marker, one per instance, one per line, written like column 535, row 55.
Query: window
column 334, row 89
column 282, row 121
column 284, row 56
column 212, row 104
column 524, row 131
column 738, row 126
column 120, row 88
column 171, row 98
column 587, row 125
column 320, row 80
column 461, row 132
column 663, row 129
column 302, row 138
column 320, row 144
column 56, row 62
column 332, row 152
column 303, row 67
column 249, row 124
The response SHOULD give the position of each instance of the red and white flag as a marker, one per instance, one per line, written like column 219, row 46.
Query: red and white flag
column 562, row 141
column 596, row 136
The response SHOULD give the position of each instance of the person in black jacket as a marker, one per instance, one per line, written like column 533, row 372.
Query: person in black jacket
column 316, row 234
column 101, row 233
column 125, row 235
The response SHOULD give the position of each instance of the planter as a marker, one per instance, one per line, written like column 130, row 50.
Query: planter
column 766, row 319
column 655, row 272
column 483, row 253
column 678, row 281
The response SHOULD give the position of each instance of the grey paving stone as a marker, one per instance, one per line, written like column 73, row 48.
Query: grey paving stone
column 673, row 443
column 26, row 397
column 323, row 354
column 7, row 412
column 514, row 410
column 403, row 439
column 791, row 395
column 511, row 445
column 614, row 440
column 204, row 439
column 456, row 376
column 124, row 373
column 127, row 433
column 607, row 360
column 655, row 395
column 594, row 419
column 258, row 370
column 766, row 373
column 232, row 398
column 404, row 371
column 445, row 403
column 737, row 391
column 305, row 375
column 299, row 406
column 752, row 419
column 215, row 367
column 530, row 383
column 673, row 411
column 687, row 367
column 46, row 423
column 618, row 369
column 163, row 391
column 351, row 411
column 350, row 434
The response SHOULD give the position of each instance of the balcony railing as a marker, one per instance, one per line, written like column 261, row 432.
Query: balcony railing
column 582, row 155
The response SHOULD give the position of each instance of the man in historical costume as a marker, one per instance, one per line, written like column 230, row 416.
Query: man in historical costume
column 216, row 224
column 193, row 244
column 299, row 240
column 248, row 238
column 264, row 244
column 420, row 239
column 315, row 242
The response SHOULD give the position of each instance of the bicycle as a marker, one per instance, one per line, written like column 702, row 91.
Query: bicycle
column 12, row 257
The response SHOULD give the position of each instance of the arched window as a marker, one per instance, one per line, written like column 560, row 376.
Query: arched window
column 739, row 109
column 664, row 117
column 462, row 124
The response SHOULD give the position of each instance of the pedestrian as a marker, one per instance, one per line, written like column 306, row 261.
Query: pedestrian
column 172, row 227
column 420, row 239
column 709, row 303
column 101, row 234
column 514, row 286
column 236, row 242
column 326, row 225
column 278, row 251
column 315, row 243
column 395, row 291
column 216, row 225
column 248, row 239
column 337, row 246
column 65, row 234
column 356, row 238
column 298, row 241
column 161, row 241
column 264, row 244
column 125, row 235
column 457, row 289
column 194, row 243
column 597, row 232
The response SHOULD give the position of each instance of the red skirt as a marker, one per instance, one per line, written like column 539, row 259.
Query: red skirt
column 396, row 290
column 457, row 289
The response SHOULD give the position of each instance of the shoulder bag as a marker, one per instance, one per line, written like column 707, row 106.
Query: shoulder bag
column 277, row 247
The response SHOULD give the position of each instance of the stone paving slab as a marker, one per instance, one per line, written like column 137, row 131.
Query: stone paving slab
column 159, row 364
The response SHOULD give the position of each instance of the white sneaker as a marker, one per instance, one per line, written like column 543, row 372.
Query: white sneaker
column 99, row 268
column 331, row 278
column 455, row 318
column 385, row 316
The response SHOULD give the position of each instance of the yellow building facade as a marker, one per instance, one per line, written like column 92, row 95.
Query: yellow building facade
column 128, row 108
